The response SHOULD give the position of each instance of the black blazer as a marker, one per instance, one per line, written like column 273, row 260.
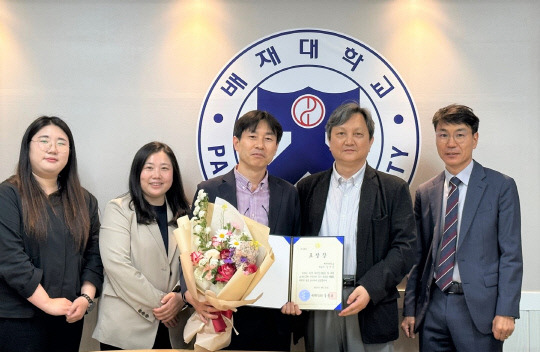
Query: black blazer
column 284, row 212
column 385, row 239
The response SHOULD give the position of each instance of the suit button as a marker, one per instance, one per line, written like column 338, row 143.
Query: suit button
column 140, row 311
column 146, row 315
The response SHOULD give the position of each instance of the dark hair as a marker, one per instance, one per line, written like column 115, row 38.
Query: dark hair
column 34, row 200
column 455, row 114
column 176, row 198
column 250, row 120
column 344, row 112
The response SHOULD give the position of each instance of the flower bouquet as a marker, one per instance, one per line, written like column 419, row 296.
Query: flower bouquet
column 222, row 262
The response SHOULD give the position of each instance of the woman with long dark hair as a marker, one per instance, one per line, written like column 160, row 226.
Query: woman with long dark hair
column 141, row 305
column 50, row 268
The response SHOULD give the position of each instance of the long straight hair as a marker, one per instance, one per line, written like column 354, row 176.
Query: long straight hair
column 33, row 198
column 176, row 197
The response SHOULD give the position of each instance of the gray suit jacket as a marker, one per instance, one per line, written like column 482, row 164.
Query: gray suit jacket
column 488, row 250
column 385, row 240
column 138, row 273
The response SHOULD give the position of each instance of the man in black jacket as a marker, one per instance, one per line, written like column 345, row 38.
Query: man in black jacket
column 373, row 211
column 268, row 200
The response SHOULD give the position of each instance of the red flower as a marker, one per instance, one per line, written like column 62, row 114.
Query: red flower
column 250, row 269
column 225, row 272
column 225, row 253
column 196, row 257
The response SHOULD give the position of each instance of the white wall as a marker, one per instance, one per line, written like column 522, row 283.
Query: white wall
column 123, row 73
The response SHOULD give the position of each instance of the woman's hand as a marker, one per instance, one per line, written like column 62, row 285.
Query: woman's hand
column 51, row 306
column 77, row 310
column 172, row 303
column 204, row 309
column 57, row 306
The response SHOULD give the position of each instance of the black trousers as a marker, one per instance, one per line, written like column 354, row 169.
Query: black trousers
column 261, row 329
column 162, row 342
column 42, row 333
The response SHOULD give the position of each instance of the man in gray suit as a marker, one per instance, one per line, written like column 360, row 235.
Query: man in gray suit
column 270, row 201
column 463, row 292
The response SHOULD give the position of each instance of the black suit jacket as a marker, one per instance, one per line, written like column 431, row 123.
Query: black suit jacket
column 284, row 212
column 385, row 239
column 261, row 328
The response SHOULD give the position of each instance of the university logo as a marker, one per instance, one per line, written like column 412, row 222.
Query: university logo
column 300, row 76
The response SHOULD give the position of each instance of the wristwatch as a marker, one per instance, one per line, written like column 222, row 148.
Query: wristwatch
column 90, row 302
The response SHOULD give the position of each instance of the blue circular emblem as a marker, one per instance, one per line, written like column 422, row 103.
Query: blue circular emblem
column 304, row 295
column 300, row 76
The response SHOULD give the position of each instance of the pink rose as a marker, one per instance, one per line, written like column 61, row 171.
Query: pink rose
column 216, row 242
column 196, row 257
column 225, row 272
column 250, row 269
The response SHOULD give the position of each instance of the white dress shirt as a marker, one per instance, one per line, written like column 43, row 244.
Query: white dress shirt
column 341, row 214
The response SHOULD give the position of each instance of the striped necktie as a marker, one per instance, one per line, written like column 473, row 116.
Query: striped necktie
column 445, row 265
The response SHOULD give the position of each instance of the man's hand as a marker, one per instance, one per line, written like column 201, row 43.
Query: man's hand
column 503, row 327
column 407, row 325
column 357, row 301
column 204, row 309
column 290, row 308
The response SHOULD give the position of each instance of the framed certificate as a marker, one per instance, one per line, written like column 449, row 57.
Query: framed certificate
column 307, row 271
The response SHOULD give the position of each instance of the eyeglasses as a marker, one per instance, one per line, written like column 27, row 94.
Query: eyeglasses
column 45, row 144
column 459, row 137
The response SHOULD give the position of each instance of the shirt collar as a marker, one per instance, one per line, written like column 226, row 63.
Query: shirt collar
column 244, row 183
column 356, row 179
column 464, row 176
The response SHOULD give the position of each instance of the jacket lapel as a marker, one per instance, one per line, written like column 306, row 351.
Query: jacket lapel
column 475, row 191
column 173, row 246
column 227, row 188
column 368, row 196
column 435, row 193
column 318, row 200
column 276, row 197
column 153, row 229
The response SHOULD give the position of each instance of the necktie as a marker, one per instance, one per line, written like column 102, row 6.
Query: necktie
column 445, row 265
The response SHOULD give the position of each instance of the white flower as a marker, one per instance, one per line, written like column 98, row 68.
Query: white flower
column 235, row 242
column 211, row 253
column 202, row 213
column 207, row 230
column 196, row 210
column 197, row 228
column 203, row 262
column 197, row 202
column 201, row 194
column 221, row 235
column 214, row 262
